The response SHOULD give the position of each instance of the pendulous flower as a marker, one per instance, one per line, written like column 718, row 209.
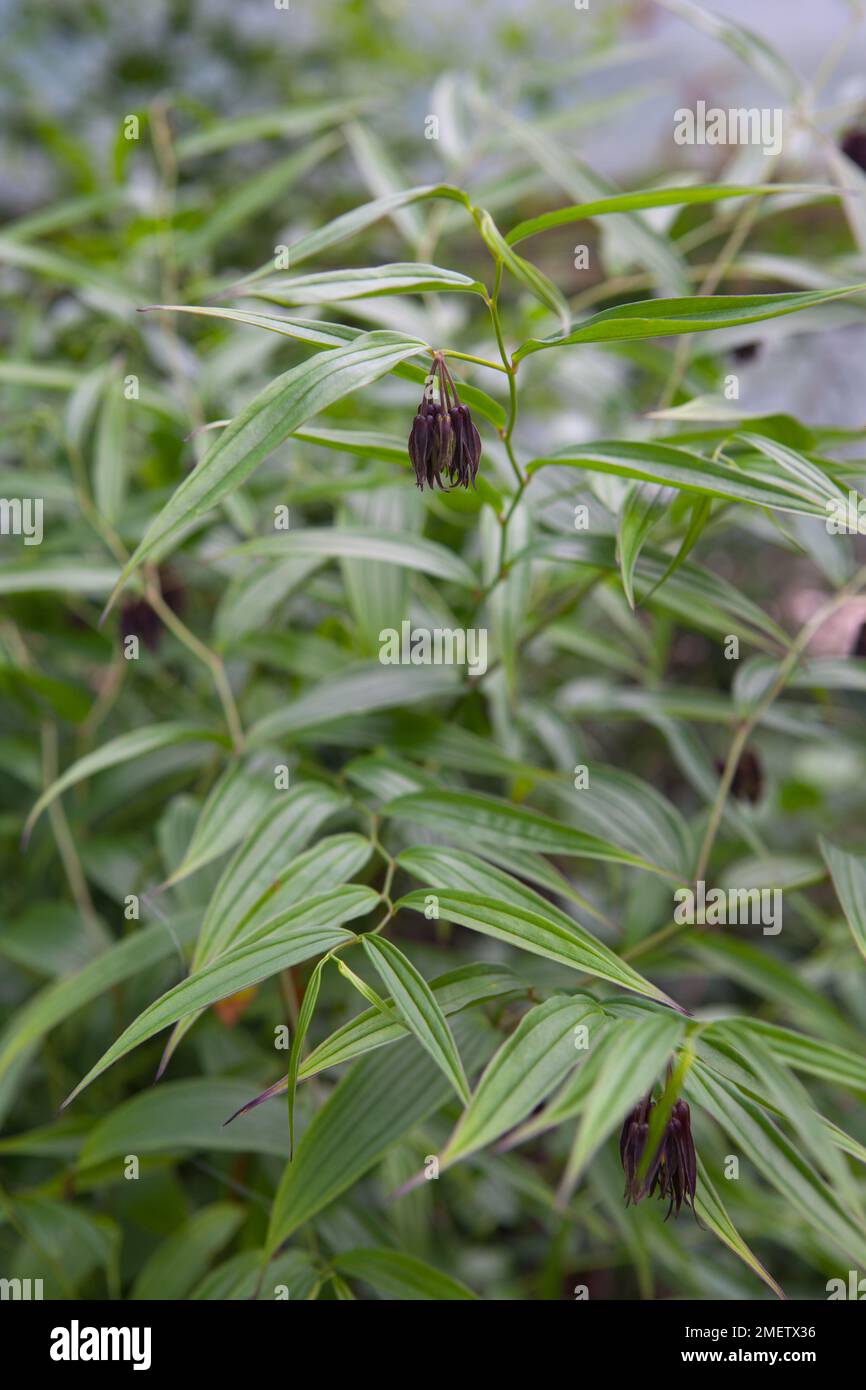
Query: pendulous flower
column 747, row 783
column 443, row 439
column 672, row 1170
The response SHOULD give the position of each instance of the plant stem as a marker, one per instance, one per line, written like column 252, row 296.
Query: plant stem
column 480, row 361
column 205, row 655
column 511, row 369
column 746, row 726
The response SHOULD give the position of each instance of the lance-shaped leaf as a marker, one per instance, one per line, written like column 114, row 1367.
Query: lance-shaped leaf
column 369, row 543
column 679, row 468
column 306, row 930
column 264, row 424
column 180, row 1116
column 182, row 1260
column 234, row 804
column 305, row 1018
column 848, row 872
column 348, row 224
column 776, row 1158
column 711, row 1211
column 287, row 121
column 488, row 819
column 642, row 198
column 61, row 576
column 810, row 1055
column 643, row 1047
column 263, row 876
column 456, row 990
column 633, row 815
column 526, row 1068
column 124, row 960
column 121, row 750
column 317, row 333
column 535, row 279
column 466, row 876
column 417, row 1004
column 660, row 318
column 490, row 900
column 463, row 988
column 401, row 1276
column 379, row 1100
column 774, row 1082
column 358, row 690
column 266, row 878
column 334, row 286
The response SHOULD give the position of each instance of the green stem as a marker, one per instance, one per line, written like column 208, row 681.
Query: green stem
column 746, row 726
column 204, row 655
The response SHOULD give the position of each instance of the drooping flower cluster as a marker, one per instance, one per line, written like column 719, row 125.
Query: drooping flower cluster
column 443, row 439
column 672, row 1169
column 747, row 783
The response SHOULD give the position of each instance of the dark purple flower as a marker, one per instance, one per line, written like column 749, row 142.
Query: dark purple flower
column 854, row 146
column 747, row 783
column 138, row 619
column 672, row 1169
column 443, row 439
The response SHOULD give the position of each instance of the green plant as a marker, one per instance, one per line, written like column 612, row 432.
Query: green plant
column 222, row 728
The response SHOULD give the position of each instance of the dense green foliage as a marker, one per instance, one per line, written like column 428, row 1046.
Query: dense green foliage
column 431, row 907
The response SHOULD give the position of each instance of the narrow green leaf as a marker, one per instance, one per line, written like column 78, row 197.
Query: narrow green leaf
column 379, row 1100
column 648, row 198
column 58, row 576
column 711, row 1210
column 487, row 818
column 483, row 894
column 257, row 195
column 525, row 1069
column 848, row 872
column 660, row 463
column 268, row 876
column 775, row 1158
column 400, row 1276
column 125, row 959
column 287, row 940
column 456, row 990
column 287, row 121
column 463, row 988
column 357, row 691
column 643, row 1048
column 235, row 802
column 641, row 511
column 659, row 318
column 535, row 280
column 369, row 543
column 317, row 333
column 358, row 219
column 417, row 1003
column 181, row 1261
column 336, row 286
column 122, row 749
column 265, row 423
column 178, row 1117
column 305, row 1018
